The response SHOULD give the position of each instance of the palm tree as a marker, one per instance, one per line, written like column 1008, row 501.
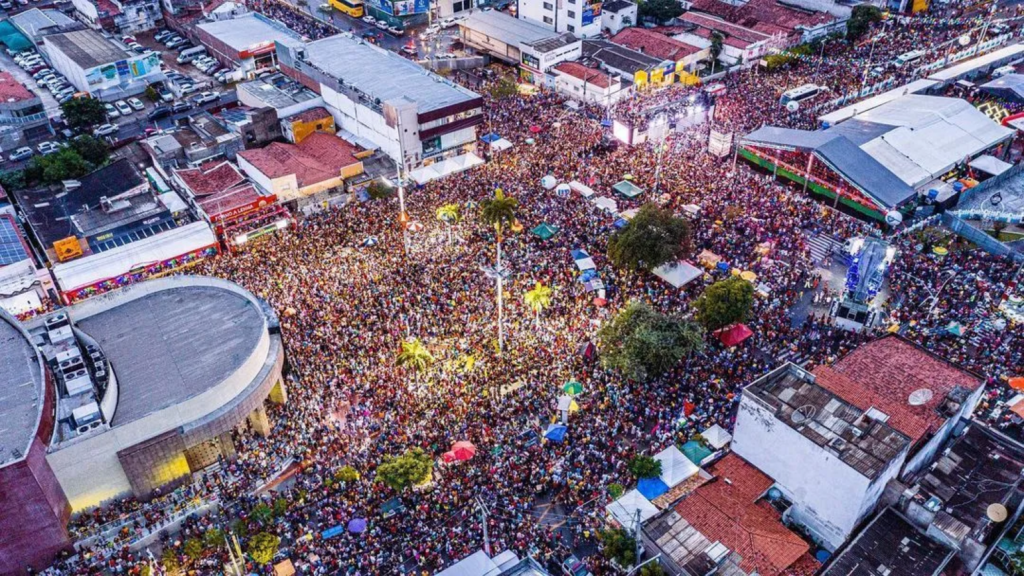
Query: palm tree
column 415, row 355
column 449, row 214
column 538, row 299
column 499, row 212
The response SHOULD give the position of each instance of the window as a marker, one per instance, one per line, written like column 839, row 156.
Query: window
column 548, row 20
column 572, row 14
column 570, row 27
column 548, row 6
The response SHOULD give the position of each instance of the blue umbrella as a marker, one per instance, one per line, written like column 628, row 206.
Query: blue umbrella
column 370, row 241
column 556, row 432
column 357, row 525
column 621, row 223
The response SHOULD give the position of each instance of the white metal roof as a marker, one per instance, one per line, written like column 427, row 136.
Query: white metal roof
column 964, row 68
column 852, row 110
column 624, row 509
column 250, row 30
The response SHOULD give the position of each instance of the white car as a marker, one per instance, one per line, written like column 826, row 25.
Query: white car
column 396, row 30
column 105, row 130
column 111, row 111
column 188, row 89
column 136, row 104
column 448, row 22
column 205, row 98
column 47, row 148
column 382, row 25
column 123, row 108
column 21, row 154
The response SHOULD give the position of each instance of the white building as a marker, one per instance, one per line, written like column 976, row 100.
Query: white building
column 96, row 65
column 739, row 44
column 389, row 102
column 534, row 48
column 580, row 17
column 589, row 85
column 833, row 439
column 617, row 15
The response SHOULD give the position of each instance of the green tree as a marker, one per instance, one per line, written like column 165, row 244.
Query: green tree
column 415, row 355
column 213, row 538
column 146, row 570
column 653, row 569
column 409, row 469
column 151, row 94
column 91, row 149
column 715, row 50
column 504, row 88
column 643, row 343
column 655, row 236
column 346, row 474
column 619, row 546
column 262, row 513
column 263, row 547
column 659, row 10
column 538, row 299
column 66, row 164
column 615, row 490
column 194, row 549
column 83, row 112
column 861, row 18
column 12, row 180
column 449, row 214
column 169, row 560
column 280, row 507
column 643, row 466
column 378, row 189
column 724, row 303
column 240, row 528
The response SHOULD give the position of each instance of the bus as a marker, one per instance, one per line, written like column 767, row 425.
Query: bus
column 353, row 8
column 801, row 93
column 908, row 58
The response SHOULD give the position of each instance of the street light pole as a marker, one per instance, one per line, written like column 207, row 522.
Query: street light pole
column 499, row 273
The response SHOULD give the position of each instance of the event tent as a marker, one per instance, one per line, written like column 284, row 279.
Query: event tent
column 679, row 274
column 606, row 203
column 628, row 189
column 651, row 488
column 675, row 466
column 624, row 509
column 445, row 167
column 583, row 260
column 716, row 437
column 582, row 189
column 545, row 231
column 500, row 144
column 733, row 335
column 696, row 452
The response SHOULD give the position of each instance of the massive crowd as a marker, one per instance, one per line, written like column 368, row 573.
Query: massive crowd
column 345, row 307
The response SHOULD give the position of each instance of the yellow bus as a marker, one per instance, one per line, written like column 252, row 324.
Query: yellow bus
column 353, row 8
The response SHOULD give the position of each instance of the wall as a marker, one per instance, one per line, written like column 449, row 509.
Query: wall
column 926, row 455
column 827, row 494
column 361, row 121
column 574, row 88
column 613, row 23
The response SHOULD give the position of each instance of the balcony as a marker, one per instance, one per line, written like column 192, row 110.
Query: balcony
column 36, row 118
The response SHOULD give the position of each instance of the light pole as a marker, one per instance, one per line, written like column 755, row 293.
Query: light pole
column 499, row 272
column 658, row 132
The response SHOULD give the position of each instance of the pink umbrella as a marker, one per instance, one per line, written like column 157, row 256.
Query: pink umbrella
column 463, row 450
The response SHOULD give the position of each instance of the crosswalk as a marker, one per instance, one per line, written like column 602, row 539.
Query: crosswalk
column 819, row 246
column 798, row 357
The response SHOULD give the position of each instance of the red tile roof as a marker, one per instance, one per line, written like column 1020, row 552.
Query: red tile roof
column 11, row 90
column 654, row 44
column 311, row 115
column 728, row 510
column 211, row 178
column 589, row 75
column 751, row 13
column 883, row 374
column 318, row 158
column 223, row 202
column 734, row 34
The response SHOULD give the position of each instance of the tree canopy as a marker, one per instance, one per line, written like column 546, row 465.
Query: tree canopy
column 619, row 546
column 860, row 20
column 659, row 10
column 643, row 343
column 725, row 302
column 263, row 547
column 415, row 355
column 499, row 211
column 83, row 112
column 505, row 88
column 653, row 237
column 91, row 149
column 643, row 466
column 409, row 469
column 67, row 164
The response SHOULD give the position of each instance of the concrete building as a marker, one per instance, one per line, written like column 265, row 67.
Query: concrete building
column 248, row 42
column 279, row 92
column 34, row 510
column 832, row 440
column 414, row 116
column 890, row 544
column 22, row 114
column 123, row 16
column 202, row 139
column 739, row 44
column 589, row 85
column 579, row 17
column 617, row 15
column 257, row 127
column 534, row 48
column 678, row 58
column 142, row 413
column 799, row 21
column 96, row 65
column 625, row 62
column 37, row 23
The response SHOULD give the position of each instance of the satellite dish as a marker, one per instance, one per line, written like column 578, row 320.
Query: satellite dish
column 792, row 106
column 893, row 218
column 802, row 414
column 920, row 397
column 996, row 512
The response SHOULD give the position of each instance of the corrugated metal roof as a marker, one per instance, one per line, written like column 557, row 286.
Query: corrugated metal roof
column 505, row 28
column 864, row 171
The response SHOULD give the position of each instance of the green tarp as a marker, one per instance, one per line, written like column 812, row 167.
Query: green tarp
column 12, row 39
column 627, row 189
column 696, row 452
column 545, row 231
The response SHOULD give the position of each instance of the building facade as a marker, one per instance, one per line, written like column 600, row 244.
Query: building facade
column 95, row 65
column 579, row 17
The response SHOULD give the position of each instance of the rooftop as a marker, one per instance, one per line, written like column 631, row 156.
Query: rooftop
column 21, row 390
column 218, row 204
column 616, row 6
column 210, row 178
column 250, row 30
column 13, row 91
column 865, row 444
column 759, row 14
column 278, row 91
column 87, row 48
column 884, row 373
column 36, row 23
column 360, row 64
column 617, row 57
column 311, row 115
column 654, row 44
column 174, row 344
column 730, row 510
column 13, row 247
column 734, row 34
column 890, row 544
column 546, row 45
column 508, row 29
column 319, row 157
column 588, row 75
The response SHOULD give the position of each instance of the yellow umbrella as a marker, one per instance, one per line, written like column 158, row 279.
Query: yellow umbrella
column 735, row 271
column 940, row 251
column 748, row 275
column 894, row 328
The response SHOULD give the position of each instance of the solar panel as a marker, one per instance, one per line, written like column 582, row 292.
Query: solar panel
column 12, row 248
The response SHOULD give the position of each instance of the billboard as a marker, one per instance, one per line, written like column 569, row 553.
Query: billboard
column 591, row 13
column 401, row 7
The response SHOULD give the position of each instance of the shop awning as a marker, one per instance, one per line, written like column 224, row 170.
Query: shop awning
column 445, row 167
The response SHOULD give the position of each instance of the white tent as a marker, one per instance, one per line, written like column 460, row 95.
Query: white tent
column 583, row 260
column 606, row 203
column 716, row 437
column 679, row 274
column 629, row 214
column 445, row 167
column 624, row 509
column 691, row 209
column 478, row 564
column 675, row 466
column 989, row 165
column 20, row 303
column 582, row 189
column 500, row 144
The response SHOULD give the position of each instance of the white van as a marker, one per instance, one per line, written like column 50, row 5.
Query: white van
column 1005, row 70
column 191, row 54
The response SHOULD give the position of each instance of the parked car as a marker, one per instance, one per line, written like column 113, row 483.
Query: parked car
column 111, row 111
column 207, row 66
column 65, row 98
column 158, row 113
column 175, row 42
column 21, row 154
column 572, row 566
column 163, row 35
column 123, row 108
column 180, row 107
column 382, row 25
column 188, row 89
column 205, row 98
column 43, row 72
column 105, row 130
column 129, row 40
column 136, row 104
column 408, row 51
column 396, row 30
column 369, row 19
column 165, row 94
column 47, row 148
column 45, row 80
column 6, row 5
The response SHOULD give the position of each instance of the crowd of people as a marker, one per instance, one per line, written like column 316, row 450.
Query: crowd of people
column 346, row 306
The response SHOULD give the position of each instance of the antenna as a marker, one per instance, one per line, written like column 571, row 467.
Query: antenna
column 920, row 397
column 803, row 414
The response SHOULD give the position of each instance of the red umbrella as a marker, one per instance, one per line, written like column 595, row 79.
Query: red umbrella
column 600, row 302
column 535, row 129
column 448, row 457
column 463, row 450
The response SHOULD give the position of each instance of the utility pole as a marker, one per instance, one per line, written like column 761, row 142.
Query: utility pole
column 636, row 534
column 483, row 520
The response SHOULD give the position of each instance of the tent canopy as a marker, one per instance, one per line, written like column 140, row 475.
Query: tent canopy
column 733, row 335
column 716, row 437
column 582, row 189
column 606, row 203
column 500, row 144
column 696, row 452
column 545, row 231
column 679, row 274
column 490, row 138
column 445, row 167
column 989, row 165
column 675, row 466
column 583, row 260
column 708, row 257
column 624, row 509
column 628, row 189
column 651, row 488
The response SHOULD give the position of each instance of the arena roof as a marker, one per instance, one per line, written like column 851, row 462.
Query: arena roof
column 1009, row 87
column 172, row 345
column 919, row 85
column 21, row 390
column 86, row 48
column 249, row 30
column 361, row 66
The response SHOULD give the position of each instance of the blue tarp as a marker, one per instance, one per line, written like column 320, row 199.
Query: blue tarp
column 556, row 432
column 492, row 137
column 588, row 275
column 332, row 532
column 621, row 223
column 651, row 488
